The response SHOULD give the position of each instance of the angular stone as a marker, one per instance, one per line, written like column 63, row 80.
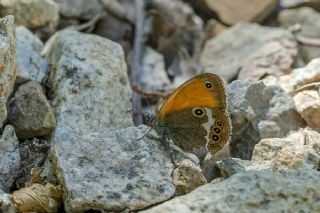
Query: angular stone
column 113, row 171
column 258, row 111
column 299, row 149
column 30, row 113
column 308, row 106
column 89, row 85
column 9, row 158
column 32, row 13
column 79, row 9
column 187, row 176
column 231, row 12
column 30, row 64
column 274, row 58
column 253, row 191
column 232, row 47
column 7, row 62
column 298, row 78
column 309, row 20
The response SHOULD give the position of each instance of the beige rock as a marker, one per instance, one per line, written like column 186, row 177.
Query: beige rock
column 297, row 78
column 213, row 28
column 274, row 58
column 299, row 149
column 32, row 13
column 231, row 12
column 187, row 176
column 308, row 105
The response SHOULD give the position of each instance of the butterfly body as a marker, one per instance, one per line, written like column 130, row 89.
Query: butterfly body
column 194, row 116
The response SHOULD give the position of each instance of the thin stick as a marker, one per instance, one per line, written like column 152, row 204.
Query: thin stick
column 136, row 60
column 307, row 86
column 88, row 24
column 312, row 41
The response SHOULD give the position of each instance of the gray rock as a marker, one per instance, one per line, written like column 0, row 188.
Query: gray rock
column 309, row 20
column 124, row 9
column 299, row 3
column 259, row 111
column 30, row 113
column 89, row 85
column 9, row 158
column 79, row 9
column 32, row 13
column 274, row 58
column 153, row 73
column 6, row 205
column 253, row 191
column 113, row 171
column 30, row 64
column 226, row 53
column 7, row 64
column 299, row 149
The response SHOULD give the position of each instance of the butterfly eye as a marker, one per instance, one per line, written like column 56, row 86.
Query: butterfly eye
column 198, row 112
column 208, row 85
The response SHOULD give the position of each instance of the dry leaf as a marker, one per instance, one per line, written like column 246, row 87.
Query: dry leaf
column 38, row 198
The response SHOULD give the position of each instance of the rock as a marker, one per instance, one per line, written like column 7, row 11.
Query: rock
column 9, row 158
column 32, row 13
column 230, row 166
column 115, row 29
column 187, row 176
column 30, row 64
column 253, row 191
column 79, row 9
column 7, row 64
column 274, row 58
column 113, row 171
column 124, row 9
column 30, row 113
column 231, row 12
column 309, row 20
column 153, row 74
column 299, row 149
column 89, row 85
column 308, row 106
column 33, row 154
column 213, row 28
column 258, row 111
column 298, row 78
column 175, row 28
column 232, row 47
column 298, row 3
column 6, row 205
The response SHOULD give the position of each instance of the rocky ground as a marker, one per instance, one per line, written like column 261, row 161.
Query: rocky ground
column 72, row 78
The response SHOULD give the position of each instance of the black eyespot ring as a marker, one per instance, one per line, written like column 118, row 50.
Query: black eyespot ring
column 219, row 123
column 215, row 137
column 217, row 130
column 208, row 85
column 198, row 112
column 211, row 145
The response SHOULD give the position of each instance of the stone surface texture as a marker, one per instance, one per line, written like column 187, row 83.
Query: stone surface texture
column 30, row 113
column 79, row 9
column 113, row 171
column 309, row 21
column 274, row 58
column 258, row 111
column 232, row 47
column 30, row 64
column 9, row 158
column 231, row 12
column 253, row 191
column 32, row 13
column 89, row 85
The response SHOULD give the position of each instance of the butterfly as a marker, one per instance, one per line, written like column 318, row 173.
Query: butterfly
column 195, row 116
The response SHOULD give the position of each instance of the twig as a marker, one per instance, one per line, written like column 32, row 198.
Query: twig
column 312, row 41
column 88, row 24
column 307, row 86
column 136, row 60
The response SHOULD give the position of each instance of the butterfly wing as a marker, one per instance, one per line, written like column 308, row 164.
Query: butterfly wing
column 195, row 114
